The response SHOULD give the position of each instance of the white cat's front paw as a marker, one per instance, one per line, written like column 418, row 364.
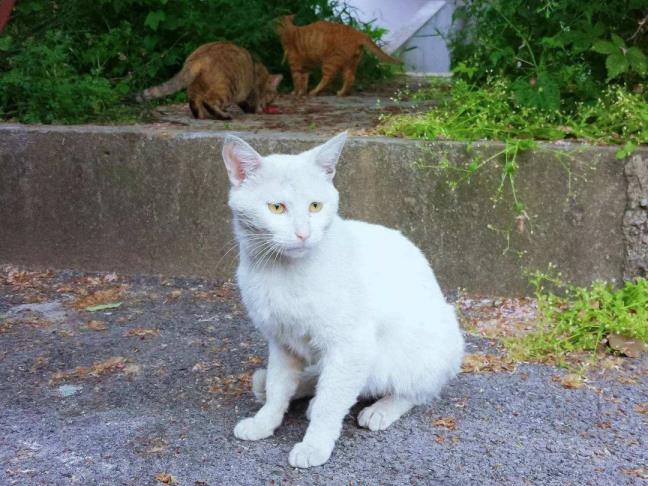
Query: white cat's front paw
column 306, row 455
column 252, row 429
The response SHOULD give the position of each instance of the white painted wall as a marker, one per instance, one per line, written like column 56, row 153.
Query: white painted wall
column 413, row 30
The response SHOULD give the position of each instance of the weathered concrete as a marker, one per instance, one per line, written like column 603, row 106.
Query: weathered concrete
column 153, row 200
column 635, row 221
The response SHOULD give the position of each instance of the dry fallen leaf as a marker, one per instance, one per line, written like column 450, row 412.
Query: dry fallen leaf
column 31, row 321
column 641, row 408
column 632, row 348
column 165, row 478
column 639, row 472
column 156, row 446
column 627, row 380
column 572, row 381
column 439, row 438
column 141, row 332
column 200, row 367
column 97, row 325
column 22, row 279
column 99, row 368
column 226, row 291
column 39, row 363
column 98, row 297
column 448, row 422
column 254, row 360
column 174, row 294
column 486, row 363
column 232, row 384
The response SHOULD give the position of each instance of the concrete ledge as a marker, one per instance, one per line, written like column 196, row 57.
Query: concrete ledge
column 150, row 200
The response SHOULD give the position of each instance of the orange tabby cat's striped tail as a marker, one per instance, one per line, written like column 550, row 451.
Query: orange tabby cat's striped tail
column 181, row 80
column 377, row 51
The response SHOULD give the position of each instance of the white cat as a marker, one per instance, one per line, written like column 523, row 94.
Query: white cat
column 349, row 309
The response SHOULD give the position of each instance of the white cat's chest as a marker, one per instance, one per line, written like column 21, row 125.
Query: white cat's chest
column 285, row 308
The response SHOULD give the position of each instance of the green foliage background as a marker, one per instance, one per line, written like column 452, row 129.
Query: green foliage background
column 554, row 53
column 76, row 61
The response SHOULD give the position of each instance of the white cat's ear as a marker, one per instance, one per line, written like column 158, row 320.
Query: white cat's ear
column 240, row 159
column 328, row 154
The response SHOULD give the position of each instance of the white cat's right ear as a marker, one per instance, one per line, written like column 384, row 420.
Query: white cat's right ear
column 328, row 154
column 240, row 159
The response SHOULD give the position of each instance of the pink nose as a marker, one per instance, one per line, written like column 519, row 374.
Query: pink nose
column 302, row 235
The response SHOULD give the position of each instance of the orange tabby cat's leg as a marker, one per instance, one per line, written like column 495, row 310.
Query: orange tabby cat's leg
column 303, row 87
column 300, row 81
column 217, row 112
column 197, row 109
column 214, row 105
column 328, row 73
column 348, row 75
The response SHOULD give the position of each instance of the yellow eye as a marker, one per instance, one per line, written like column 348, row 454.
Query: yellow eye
column 315, row 207
column 276, row 208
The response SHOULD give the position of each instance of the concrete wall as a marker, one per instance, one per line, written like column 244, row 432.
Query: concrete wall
column 151, row 200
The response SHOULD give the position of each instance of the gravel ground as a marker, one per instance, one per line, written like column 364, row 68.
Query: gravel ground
column 165, row 377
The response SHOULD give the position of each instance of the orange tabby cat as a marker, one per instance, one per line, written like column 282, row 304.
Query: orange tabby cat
column 217, row 75
column 334, row 47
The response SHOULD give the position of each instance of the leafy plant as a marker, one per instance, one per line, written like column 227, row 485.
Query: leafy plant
column 43, row 85
column 550, row 51
column 577, row 319
column 620, row 58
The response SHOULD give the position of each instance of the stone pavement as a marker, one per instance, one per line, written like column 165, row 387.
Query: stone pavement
column 150, row 391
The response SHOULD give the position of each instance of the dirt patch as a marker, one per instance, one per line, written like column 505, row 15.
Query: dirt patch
column 327, row 114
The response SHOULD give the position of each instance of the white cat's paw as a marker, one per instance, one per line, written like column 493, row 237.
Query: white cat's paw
column 306, row 455
column 373, row 418
column 252, row 429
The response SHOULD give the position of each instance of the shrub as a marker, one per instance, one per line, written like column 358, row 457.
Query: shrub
column 555, row 52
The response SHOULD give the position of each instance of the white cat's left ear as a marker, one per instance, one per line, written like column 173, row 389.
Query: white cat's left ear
column 240, row 159
column 328, row 154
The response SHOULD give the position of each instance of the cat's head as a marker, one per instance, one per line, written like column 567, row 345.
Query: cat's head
column 265, row 89
column 284, row 23
column 282, row 204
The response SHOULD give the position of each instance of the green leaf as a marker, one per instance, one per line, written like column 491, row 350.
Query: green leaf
column 616, row 65
column 154, row 18
column 625, row 151
column 637, row 60
column 555, row 41
column 5, row 43
column 604, row 47
column 100, row 307
column 543, row 92
column 618, row 41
